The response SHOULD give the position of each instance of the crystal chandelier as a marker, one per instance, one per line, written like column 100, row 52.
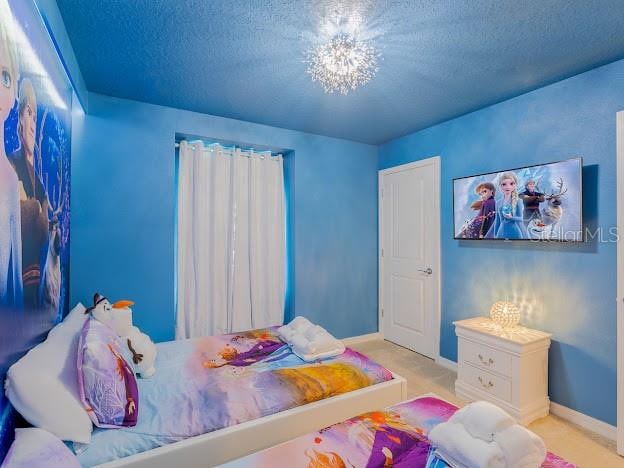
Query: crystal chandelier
column 343, row 63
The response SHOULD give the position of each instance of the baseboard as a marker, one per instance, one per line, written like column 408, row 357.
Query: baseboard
column 447, row 363
column 353, row 340
column 586, row 422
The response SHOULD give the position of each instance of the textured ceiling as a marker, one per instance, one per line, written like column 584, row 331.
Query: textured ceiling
column 244, row 59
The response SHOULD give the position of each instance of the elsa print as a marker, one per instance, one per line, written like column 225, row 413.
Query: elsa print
column 508, row 223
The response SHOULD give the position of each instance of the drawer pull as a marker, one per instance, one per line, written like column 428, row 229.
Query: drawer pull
column 489, row 362
column 485, row 385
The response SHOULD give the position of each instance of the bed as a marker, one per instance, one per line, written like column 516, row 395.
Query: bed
column 218, row 398
column 395, row 436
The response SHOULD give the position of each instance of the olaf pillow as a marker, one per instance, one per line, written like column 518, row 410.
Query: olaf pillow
column 43, row 385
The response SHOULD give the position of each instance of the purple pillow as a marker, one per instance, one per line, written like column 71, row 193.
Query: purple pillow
column 108, row 387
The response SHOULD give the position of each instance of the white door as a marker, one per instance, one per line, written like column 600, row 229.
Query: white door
column 409, row 255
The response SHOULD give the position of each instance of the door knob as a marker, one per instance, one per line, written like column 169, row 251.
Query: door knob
column 427, row 271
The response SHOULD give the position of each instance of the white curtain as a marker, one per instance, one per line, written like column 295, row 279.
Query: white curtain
column 231, row 240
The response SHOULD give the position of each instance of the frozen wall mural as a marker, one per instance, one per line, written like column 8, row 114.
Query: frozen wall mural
column 541, row 202
column 35, row 117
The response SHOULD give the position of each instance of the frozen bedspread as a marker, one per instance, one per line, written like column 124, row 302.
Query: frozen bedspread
column 206, row 384
column 395, row 437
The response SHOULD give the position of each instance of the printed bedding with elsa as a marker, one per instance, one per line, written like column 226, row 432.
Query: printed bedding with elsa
column 396, row 436
column 205, row 384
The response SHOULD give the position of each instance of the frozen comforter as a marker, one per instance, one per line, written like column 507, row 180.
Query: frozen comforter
column 394, row 437
column 205, row 384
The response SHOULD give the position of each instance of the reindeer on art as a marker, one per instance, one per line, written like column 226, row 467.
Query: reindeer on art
column 553, row 211
column 51, row 283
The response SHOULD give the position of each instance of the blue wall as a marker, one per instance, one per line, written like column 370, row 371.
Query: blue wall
column 123, row 213
column 568, row 290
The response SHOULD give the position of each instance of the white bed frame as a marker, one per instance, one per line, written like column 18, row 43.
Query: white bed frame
column 218, row 447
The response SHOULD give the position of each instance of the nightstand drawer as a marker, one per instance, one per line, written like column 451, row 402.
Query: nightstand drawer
column 485, row 357
column 485, row 381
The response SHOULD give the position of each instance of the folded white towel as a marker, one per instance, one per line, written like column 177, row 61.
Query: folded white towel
column 300, row 342
column 314, row 331
column 483, row 435
column 462, row 450
column 319, row 349
column 310, row 342
column 300, row 323
column 322, row 343
column 482, row 420
column 521, row 447
column 296, row 326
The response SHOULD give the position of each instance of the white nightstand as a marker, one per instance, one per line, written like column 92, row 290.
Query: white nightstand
column 509, row 370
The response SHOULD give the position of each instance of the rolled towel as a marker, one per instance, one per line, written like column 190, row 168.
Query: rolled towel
column 483, row 419
column 521, row 447
column 460, row 449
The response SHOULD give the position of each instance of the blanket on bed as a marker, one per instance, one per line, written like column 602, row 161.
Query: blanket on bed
column 395, row 437
column 206, row 384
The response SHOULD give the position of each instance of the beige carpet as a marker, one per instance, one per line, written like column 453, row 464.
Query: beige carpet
column 423, row 375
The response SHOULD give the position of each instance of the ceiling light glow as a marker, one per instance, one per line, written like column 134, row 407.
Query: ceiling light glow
column 343, row 64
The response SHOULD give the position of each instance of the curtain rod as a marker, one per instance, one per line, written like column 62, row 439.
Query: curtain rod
column 249, row 150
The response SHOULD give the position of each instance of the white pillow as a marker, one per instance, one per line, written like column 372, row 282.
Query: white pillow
column 43, row 385
column 34, row 447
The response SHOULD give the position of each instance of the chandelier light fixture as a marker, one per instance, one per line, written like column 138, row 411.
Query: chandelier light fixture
column 343, row 63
